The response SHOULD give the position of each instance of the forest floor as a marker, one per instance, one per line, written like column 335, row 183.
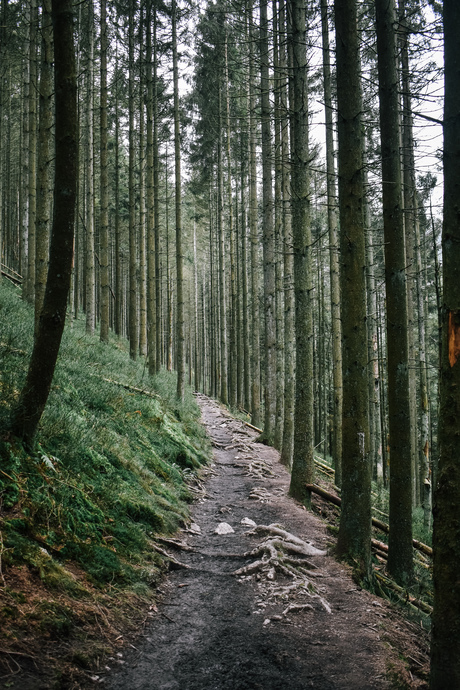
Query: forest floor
column 287, row 622
column 215, row 630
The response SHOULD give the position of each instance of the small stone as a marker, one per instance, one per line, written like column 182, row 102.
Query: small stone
column 224, row 528
column 248, row 522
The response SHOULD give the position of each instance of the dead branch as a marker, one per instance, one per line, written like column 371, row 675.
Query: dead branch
column 404, row 594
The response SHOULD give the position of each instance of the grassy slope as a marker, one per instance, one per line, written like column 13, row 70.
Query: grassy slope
column 78, row 516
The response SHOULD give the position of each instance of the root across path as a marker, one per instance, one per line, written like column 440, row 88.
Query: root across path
column 254, row 599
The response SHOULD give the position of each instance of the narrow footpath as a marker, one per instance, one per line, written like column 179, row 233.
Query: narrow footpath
column 290, row 622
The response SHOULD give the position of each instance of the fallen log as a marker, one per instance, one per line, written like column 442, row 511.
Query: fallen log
column 424, row 548
column 404, row 594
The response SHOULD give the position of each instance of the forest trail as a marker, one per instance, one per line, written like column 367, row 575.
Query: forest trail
column 217, row 631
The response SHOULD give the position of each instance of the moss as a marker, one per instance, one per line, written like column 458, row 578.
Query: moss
column 111, row 463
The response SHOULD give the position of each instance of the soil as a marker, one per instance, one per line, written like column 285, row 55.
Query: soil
column 215, row 630
column 211, row 629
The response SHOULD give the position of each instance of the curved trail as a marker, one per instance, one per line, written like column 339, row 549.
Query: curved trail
column 216, row 631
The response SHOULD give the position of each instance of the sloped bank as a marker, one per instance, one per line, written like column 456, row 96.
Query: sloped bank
column 113, row 470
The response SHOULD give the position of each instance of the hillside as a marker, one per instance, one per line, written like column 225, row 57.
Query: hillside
column 80, row 517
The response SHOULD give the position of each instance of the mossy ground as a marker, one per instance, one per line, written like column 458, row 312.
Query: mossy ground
column 109, row 473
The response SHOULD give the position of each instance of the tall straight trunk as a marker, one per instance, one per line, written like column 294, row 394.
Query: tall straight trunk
column 117, row 229
column 29, row 284
column 223, row 371
column 400, row 559
column 332, row 219
column 354, row 536
column 412, row 217
column 279, row 239
column 151, row 275
column 445, row 647
column 232, row 363
column 196, row 349
column 180, row 326
column 245, row 282
column 24, row 190
column 104, row 213
column 142, row 207
column 156, row 197
column 268, row 233
column 288, row 260
column 133, row 330
column 36, row 389
column 42, row 233
column 302, row 463
column 373, row 371
column 90, row 258
column 255, row 357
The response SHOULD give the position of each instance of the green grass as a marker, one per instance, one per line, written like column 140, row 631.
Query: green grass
column 109, row 470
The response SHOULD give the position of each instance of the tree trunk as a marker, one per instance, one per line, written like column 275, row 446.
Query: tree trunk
column 268, row 234
column 355, row 521
column 180, row 327
column 42, row 232
column 151, row 275
column 90, row 267
column 34, row 395
column 104, row 214
column 288, row 260
column 333, row 253
column 255, row 358
column 29, row 283
column 303, row 464
column 279, row 239
column 400, row 561
column 133, row 329
column 445, row 650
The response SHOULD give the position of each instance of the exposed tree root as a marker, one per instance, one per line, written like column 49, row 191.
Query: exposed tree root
column 259, row 470
column 174, row 563
column 260, row 494
column 283, row 553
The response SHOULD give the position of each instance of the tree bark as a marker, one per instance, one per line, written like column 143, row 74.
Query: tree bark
column 35, row 393
column 268, row 234
column 333, row 252
column 400, row 561
column 104, row 213
column 254, row 240
column 445, row 648
column 302, row 464
column 133, row 318
column 355, row 521
column 180, row 326
column 44, row 159
column 288, row 259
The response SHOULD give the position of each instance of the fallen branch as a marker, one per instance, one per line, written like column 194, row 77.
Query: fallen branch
column 251, row 426
column 130, row 388
column 404, row 594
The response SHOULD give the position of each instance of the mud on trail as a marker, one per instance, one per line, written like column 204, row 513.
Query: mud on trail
column 298, row 622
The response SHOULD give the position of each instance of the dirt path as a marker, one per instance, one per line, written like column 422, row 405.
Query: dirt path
column 218, row 631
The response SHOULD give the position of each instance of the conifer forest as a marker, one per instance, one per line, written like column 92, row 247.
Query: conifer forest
column 262, row 197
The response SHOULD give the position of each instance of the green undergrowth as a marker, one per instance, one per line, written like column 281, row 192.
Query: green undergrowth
column 110, row 469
